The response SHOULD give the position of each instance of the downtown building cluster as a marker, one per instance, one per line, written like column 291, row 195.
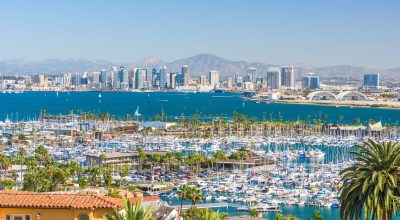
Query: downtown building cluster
column 120, row 78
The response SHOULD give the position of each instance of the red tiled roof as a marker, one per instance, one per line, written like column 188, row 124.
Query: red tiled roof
column 22, row 199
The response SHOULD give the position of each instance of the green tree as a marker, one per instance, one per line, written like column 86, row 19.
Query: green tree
column 4, row 164
column 183, row 194
column 194, row 194
column 132, row 212
column 316, row 216
column 254, row 213
column 371, row 186
column 280, row 216
column 194, row 213
column 107, row 177
column 8, row 184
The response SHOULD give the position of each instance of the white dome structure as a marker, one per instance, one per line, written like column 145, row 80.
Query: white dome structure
column 351, row 96
column 321, row 95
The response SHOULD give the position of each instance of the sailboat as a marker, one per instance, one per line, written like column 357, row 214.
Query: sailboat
column 57, row 93
column 137, row 114
column 99, row 95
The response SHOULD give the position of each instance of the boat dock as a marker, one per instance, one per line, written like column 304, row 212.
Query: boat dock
column 205, row 205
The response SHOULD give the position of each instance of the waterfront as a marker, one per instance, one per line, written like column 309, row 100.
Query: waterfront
column 27, row 105
column 306, row 159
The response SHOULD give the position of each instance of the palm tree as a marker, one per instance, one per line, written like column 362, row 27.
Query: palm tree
column 183, row 194
column 4, row 164
column 371, row 186
column 195, row 194
column 317, row 215
column 132, row 212
column 280, row 216
column 254, row 213
column 212, row 215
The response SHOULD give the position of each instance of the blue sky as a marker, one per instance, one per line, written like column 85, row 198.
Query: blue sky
column 316, row 32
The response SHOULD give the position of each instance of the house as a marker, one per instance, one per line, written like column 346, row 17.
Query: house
column 21, row 205
column 165, row 213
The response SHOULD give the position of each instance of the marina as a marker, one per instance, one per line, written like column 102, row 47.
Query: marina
column 271, row 166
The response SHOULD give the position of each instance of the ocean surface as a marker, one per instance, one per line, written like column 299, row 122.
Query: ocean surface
column 27, row 105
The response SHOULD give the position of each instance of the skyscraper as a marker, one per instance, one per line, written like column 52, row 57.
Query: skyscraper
column 311, row 81
column 163, row 77
column 155, row 78
column 252, row 72
column 213, row 78
column 96, row 78
column 103, row 79
column 123, row 76
column 76, row 80
column 148, row 80
column 203, row 80
column 185, row 75
column 371, row 80
column 173, row 79
column 287, row 76
column 42, row 80
column 229, row 82
column 140, row 77
column 274, row 77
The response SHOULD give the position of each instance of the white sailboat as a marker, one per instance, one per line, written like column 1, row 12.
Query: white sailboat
column 137, row 114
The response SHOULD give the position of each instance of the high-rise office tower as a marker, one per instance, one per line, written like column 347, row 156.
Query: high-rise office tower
column 123, row 76
column 163, row 77
column 42, row 80
column 173, row 79
column 96, row 78
column 274, row 77
column 148, row 78
column 229, row 82
column 103, row 79
column 287, row 77
column 311, row 81
column 371, row 80
column 155, row 78
column 203, row 80
column 140, row 78
column 252, row 73
column 185, row 75
column 213, row 78
column 84, row 79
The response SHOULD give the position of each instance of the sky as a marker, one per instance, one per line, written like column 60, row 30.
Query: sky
column 315, row 32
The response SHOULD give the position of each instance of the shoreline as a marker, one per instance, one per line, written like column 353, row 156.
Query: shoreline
column 360, row 104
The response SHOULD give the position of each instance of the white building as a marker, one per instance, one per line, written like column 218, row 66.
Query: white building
column 213, row 78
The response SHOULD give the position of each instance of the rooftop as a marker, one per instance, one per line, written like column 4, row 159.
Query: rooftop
column 23, row 199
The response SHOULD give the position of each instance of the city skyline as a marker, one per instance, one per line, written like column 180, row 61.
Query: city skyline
column 315, row 33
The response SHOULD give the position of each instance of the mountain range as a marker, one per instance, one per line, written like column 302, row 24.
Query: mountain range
column 198, row 64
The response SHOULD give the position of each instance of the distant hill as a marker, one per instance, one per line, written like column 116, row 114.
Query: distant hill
column 53, row 66
column 198, row 64
column 203, row 63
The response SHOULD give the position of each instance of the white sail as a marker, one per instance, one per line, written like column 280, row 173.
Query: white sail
column 137, row 112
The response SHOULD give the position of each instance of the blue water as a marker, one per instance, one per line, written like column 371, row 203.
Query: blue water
column 28, row 105
column 302, row 212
